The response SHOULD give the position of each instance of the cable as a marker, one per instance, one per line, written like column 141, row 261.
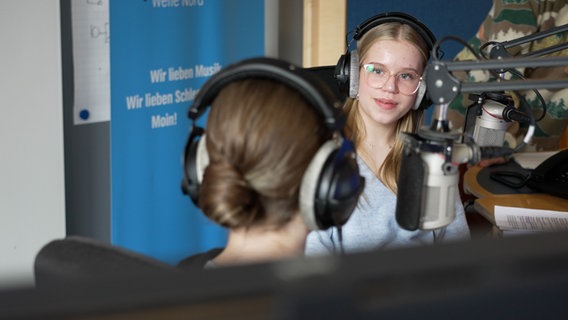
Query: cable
column 333, row 243
column 537, row 93
column 513, row 72
column 340, row 238
column 436, row 47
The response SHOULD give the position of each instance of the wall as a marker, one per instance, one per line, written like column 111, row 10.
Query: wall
column 323, row 32
column 32, row 205
column 87, row 147
column 458, row 17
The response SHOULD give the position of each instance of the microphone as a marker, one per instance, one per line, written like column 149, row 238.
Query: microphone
column 490, row 125
column 429, row 177
column 428, row 181
column 441, row 186
column 496, row 112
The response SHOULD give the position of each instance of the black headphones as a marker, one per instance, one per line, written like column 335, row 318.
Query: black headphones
column 347, row 68
column 331, row 184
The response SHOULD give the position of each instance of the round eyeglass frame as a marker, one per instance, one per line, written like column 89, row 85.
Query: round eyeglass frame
column 389, row 73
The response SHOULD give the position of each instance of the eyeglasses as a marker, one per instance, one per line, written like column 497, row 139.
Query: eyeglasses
column 377, row 75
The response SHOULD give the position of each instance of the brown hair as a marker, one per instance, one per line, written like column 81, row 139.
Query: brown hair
column 389, row 170
column 261, row 136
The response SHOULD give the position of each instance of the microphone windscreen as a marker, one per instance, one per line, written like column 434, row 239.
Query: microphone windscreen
column 410, row 190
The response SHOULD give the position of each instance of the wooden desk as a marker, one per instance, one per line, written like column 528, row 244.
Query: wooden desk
column 486, row 200
column 472, row 186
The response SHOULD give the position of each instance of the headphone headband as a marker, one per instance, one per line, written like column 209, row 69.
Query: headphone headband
column 299, row 79
column 401, row 17
column 347, row 67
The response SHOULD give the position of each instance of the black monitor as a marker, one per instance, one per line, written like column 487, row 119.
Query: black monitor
column 517, row 277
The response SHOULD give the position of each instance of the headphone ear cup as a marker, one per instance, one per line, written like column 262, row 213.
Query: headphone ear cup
column 195, row 162
column 341, row 73
column 330, row 187
column 311, row 182
column 354, row 74
column 201, row 159
column 420, row 97
column 347, row 73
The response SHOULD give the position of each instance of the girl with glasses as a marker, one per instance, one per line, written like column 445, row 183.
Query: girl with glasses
column 388, row 100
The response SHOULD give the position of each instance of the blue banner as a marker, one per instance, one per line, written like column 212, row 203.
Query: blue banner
column 161, row 53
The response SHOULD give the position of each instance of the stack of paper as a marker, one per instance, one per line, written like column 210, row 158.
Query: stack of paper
column 512, row 219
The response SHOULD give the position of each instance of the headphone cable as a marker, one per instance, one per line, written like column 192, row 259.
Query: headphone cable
column 340, row 238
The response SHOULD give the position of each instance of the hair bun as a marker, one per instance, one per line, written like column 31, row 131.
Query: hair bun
column 230, row 201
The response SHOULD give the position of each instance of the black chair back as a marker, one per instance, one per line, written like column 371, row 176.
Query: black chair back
column 77, row 259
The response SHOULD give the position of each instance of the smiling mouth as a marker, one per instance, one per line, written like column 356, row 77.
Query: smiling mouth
column 386, row 104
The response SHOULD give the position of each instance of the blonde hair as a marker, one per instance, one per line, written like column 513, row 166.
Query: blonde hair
column 389, row 170
column 260, row 136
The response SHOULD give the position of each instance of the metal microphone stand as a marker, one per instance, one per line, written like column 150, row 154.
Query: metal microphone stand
column 437, row 139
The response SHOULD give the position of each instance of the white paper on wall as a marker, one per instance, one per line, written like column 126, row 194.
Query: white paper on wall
column 91, row 61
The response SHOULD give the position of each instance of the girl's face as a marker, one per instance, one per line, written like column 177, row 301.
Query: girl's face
column 397, row 61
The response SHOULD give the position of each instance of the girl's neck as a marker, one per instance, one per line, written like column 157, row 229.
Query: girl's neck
column 379, row 136
column 261, row 244
column 376, row 145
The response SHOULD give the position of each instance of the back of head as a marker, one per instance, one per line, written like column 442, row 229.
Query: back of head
column 276, row 143
column 261, row 137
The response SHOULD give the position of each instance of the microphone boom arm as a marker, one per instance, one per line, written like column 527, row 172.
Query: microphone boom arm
column 443, row 86
column 499, row 50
